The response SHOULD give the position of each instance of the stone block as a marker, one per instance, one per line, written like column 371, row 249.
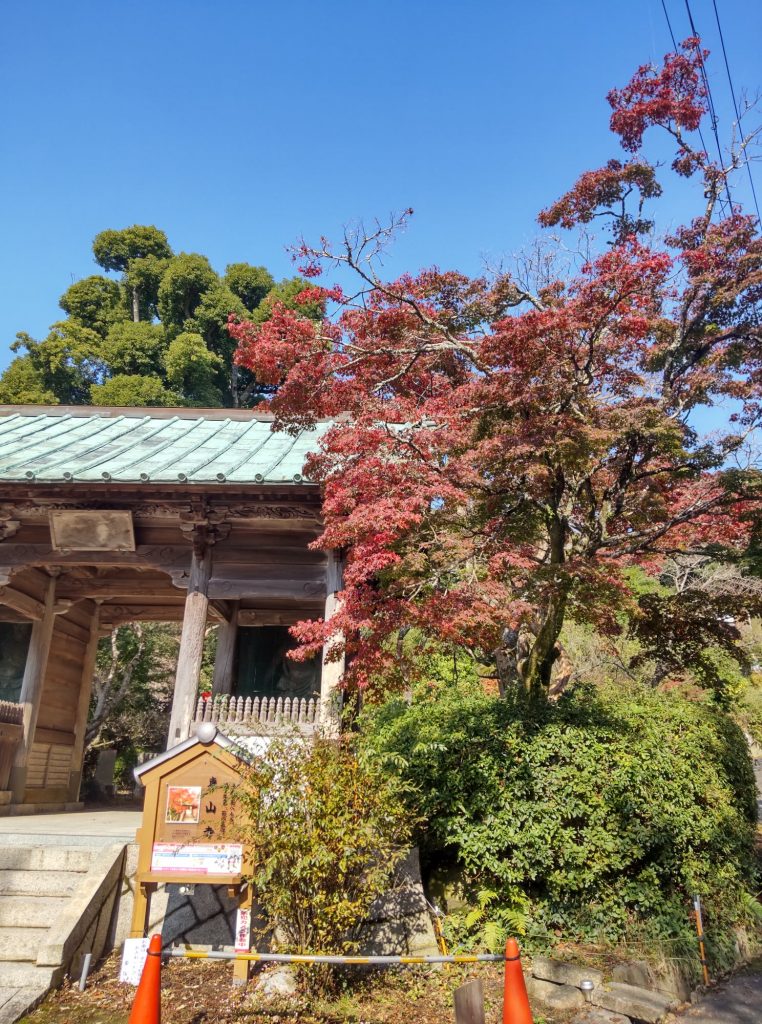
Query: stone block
column 555, row 997
column 632, row 1001
column 596, row 1015
column 563, row 973
column 666, row 978
column 277, row 984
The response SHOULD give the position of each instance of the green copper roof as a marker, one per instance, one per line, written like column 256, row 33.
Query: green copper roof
column 209, row 446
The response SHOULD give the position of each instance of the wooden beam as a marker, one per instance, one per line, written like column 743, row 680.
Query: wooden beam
column 224, row 609
column 21, row 603
column 331, row 672
column 103, row 588
column 275, row 616
column 83, row 705
column 157, row 556
column 117, row 614
column 31, row 689
column 224, row 661
column 191, row 648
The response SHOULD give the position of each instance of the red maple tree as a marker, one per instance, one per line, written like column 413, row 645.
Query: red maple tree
column 505, row 447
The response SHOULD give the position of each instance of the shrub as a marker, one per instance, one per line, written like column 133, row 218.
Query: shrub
column 326, row 833
column 595, row 818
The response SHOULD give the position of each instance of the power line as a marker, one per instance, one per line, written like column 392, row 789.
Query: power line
column 669, row 24
column 735, row 106
column 712, row 111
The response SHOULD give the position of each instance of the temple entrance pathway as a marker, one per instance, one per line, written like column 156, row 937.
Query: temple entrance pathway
column 102, row 826
column 737, row 1001
column 60, row 875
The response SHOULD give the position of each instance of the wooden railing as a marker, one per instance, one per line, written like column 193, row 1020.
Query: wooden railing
column 10, row 712
column 255, row 716
column 11, row 729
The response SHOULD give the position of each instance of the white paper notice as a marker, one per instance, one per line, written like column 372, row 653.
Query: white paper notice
column 133, row 960
column 243, row 930
column 197, row 859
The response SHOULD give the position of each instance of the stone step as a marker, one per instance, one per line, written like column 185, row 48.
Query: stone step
column 21, row 943
column 15, row 1002
column 632, row 1001
column 25, row 975
column 44, row 858
column 38, row 883
column 40, row 912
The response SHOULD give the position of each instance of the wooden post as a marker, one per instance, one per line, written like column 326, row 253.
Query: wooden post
column 241, row 968
column 331, row 671
column 31, row 689
column 83, row 704
column 224, row 661
column 469, row 1003
column 141, row 908
column 191, row 646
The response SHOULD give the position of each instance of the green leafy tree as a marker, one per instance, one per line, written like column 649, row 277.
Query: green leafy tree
column 250, row 284
column 114, row 346
column 125, row 389
column 135, row 348
column 132, row 693
column 286, row 293
column 23, row 384
column 96, row 302
column 66, row 363
column 194, row 371
column 210, row 320
column 187, row 277
column 593, row 818
column 142, row 279
column 326, row 832
column 117, row 250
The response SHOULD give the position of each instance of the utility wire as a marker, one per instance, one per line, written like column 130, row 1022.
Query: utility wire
column 669, row 24
column 712, row 111
column 735, row 106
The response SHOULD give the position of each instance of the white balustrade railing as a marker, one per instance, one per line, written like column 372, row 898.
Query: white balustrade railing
column 259, row 715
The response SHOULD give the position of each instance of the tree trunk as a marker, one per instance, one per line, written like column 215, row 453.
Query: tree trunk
column 524, row 662
column 135, row 305
column 536, row 669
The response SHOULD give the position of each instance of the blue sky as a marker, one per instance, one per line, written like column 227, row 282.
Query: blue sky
column 238, row 126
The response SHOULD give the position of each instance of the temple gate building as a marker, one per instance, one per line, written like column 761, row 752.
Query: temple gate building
column 109, row 516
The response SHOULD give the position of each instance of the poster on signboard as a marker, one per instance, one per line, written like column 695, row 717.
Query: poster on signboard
column 183, row 805
column 197, row 858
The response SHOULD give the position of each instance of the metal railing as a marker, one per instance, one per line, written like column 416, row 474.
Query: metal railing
column 259, row 716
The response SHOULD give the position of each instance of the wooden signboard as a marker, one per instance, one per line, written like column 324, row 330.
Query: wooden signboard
column 182, row 839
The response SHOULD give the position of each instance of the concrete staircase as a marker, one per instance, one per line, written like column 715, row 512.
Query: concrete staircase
column 55, row 902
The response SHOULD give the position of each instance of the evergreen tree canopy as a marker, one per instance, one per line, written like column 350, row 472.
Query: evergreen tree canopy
column 152, row 330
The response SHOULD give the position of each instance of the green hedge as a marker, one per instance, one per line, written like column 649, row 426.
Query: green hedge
column 592, row 819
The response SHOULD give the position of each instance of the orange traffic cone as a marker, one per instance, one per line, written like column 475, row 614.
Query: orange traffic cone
column 147, row 1006
column 516, row 1009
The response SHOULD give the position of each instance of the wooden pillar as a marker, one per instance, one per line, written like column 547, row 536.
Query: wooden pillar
column 331, row 671
column 224, row 661
column 31, row 689
column 83, row 703
column 191, row 646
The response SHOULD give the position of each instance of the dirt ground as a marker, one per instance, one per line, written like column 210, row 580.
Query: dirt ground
column 200, row 992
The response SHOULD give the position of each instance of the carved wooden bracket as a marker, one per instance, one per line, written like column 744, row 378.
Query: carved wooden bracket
column 204, row 533
column 8, row 526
